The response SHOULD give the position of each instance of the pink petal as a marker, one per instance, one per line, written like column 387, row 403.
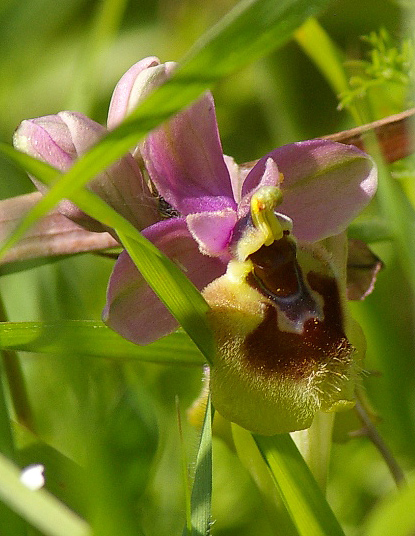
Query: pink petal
column 185, row 161
column 133, row 309
column 213, row 231
column 325, row 185
column 133, row 86
column 237, row 175
column 60, row 139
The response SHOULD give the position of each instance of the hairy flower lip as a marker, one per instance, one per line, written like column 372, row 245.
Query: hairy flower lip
column 283, row 376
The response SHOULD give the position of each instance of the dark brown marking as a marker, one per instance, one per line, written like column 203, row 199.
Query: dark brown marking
column 296, row 355
column 278, row 276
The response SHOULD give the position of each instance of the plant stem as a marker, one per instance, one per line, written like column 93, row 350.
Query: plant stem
column 314, row 443
column 16, row 382
column 374, row 436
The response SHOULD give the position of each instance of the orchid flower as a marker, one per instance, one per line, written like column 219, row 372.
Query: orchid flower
column 265, row 245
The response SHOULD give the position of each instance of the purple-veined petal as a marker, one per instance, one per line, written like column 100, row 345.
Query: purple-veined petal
column 134, row 85
column 60, row 139
column 325, row 185
column 133, row 309
column 185, row 161
column 213, row 231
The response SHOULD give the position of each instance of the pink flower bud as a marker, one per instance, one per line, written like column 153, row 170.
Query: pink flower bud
column 60, row 139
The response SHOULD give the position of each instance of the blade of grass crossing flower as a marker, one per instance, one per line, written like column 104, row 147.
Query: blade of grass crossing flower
column 39, row 508
column 95, row 339
column 202, row 486
column 178, row 294
column 252, row 29
column 189, row 308
column 301, row 494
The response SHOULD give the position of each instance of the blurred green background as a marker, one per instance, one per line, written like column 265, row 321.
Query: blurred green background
column 69, row 55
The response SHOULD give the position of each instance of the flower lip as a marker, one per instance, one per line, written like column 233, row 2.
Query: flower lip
column 319, row 341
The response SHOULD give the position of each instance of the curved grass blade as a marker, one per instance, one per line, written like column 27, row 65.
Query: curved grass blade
column 202, row 486
column 178, row 294
column 95, row 339
column 299, row 491
column 39, row 508
column 252, row 29
column 190, row 311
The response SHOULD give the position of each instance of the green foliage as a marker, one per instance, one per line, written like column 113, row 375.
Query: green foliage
column 390, row 63
column 103, row 418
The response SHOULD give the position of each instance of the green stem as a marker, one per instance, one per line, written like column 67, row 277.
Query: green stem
column 371, row 432
column 252, row 460
column 314, row 443
column 16, row 382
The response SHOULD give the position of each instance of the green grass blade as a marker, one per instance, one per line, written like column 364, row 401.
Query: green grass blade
column 188, row 306
column 39, row 508
column 252, row 29
column 178, row 294
column 323, row 52
column 95, row 339
column 8, row 519
column 302, row 496
column 202, row 485
column 249, row 31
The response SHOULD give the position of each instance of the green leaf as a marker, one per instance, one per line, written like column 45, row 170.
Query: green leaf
column 95, row 339
column 39, row 508
column 202, row 486
column 300, row 493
